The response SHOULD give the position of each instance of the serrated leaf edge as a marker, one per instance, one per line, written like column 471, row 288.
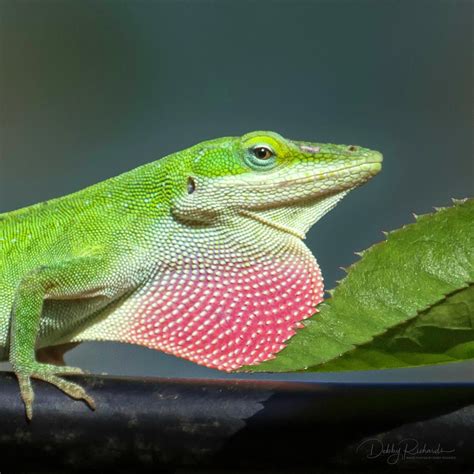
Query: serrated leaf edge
column 410, row 318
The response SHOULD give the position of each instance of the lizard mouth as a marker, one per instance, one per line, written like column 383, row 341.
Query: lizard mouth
column 370, row 168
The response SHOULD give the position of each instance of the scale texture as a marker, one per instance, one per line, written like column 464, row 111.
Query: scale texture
column 199, row 254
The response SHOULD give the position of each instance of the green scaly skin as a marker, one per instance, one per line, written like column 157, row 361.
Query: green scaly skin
column 107, row 262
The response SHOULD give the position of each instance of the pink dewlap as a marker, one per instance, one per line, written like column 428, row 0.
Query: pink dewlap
column 228, row 316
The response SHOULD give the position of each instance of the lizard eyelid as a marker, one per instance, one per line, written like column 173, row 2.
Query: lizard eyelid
column 262, row 152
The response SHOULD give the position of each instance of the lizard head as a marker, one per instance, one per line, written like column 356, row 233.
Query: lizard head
column 281, row 183
column 234, row 280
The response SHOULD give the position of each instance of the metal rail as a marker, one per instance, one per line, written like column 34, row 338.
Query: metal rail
column 192, row 424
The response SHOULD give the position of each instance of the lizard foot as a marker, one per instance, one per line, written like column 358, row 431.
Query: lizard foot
column 47, row 373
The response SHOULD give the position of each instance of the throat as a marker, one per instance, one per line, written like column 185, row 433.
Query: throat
column 296, row 219
column 230, row 305
column 269, row 222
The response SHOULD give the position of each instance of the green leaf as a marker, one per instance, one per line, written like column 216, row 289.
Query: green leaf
column 443, row 333
column 392, row 309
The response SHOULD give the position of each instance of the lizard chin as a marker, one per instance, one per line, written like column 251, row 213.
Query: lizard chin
column 272, row 224
column 297, row 218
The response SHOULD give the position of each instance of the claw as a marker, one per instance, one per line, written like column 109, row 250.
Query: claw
column 89, row 401
column 69, row 388
column 46, row 372
column 27, row 394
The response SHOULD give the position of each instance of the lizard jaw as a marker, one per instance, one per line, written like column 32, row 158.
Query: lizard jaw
column 270, row 223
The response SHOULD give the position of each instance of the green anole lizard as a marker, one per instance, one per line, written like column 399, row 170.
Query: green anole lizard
column 199, row 254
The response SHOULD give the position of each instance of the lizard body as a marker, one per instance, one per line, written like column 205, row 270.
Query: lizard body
column 199, row 254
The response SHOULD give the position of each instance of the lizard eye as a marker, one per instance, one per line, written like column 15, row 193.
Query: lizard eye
column 262, row 152
column 260, row 157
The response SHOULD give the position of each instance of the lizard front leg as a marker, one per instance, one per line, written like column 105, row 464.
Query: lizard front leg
column 69, row 279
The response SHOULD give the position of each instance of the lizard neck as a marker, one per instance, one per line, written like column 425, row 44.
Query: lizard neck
column 224, row 297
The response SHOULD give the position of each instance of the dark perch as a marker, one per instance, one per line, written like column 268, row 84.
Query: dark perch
column 189, row 424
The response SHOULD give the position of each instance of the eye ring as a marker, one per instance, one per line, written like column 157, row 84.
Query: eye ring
column 262, row 152
column 260, row 156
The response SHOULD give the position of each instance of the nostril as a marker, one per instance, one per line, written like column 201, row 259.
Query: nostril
column 191, row 185
column 352, row 148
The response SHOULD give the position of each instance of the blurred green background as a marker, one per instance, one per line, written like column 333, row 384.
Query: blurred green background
column 91, row 89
